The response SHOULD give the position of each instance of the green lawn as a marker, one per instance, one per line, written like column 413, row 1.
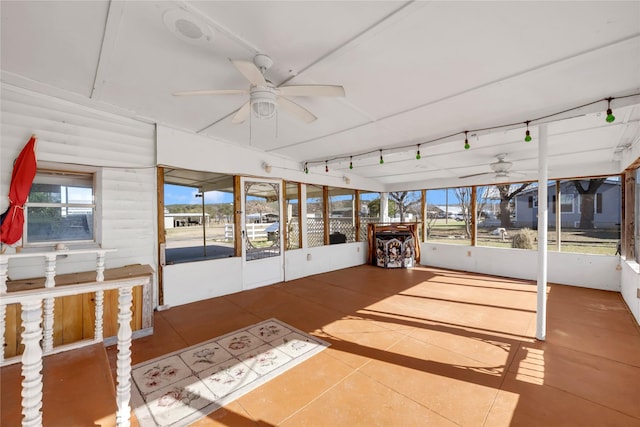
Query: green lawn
column 597, row 241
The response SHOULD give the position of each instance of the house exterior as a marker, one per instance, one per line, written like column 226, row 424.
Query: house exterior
column 606, row 211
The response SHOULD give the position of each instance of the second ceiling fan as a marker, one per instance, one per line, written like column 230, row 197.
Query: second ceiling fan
column 264, row 97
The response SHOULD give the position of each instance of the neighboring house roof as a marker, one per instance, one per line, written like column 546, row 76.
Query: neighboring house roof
column 534, row 189
column 450, row 209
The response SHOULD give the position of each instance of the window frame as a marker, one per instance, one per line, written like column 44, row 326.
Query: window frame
column 56, row 176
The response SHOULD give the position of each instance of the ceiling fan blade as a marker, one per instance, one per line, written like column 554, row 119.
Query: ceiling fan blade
column 211, row 92
column 296, row 110
column 476, row 174
column 311, row 90
column 242, row 113
column 250, row 71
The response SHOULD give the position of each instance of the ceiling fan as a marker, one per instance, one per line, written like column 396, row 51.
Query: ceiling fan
column 264, row 97
column 501, row 169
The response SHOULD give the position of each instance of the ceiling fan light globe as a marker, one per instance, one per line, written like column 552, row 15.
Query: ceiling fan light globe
column 263, row 103
column 263, row 109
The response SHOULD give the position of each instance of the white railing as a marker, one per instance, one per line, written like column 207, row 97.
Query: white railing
column 254, row 231
column 37, row 329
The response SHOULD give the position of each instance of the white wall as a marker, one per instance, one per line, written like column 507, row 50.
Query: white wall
column 630, row 284
column 195, row 281
column 209, row 155
column 584, row 270
column 73, row 136
column 308, row 261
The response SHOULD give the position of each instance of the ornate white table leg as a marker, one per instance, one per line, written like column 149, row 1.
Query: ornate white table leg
column 4, row 265
column 47, row 342
column 50, row 270
column 100, row 266
column 99, row 316
column 50, row 282
column 123, row 364
column 32, row 364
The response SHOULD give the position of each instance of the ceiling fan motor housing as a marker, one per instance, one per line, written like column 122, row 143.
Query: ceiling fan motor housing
column 501, row 166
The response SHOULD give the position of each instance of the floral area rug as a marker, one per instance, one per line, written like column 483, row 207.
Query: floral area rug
column 179, row 388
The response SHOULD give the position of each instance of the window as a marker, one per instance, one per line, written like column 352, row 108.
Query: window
column 582, row 231
column 198, row 215
column 315, row 216
column 292, row 215
column 566, row 203
column 507, row 215
column 61, row 208
column 447, row 214
column 369, row 212
column 342, row 215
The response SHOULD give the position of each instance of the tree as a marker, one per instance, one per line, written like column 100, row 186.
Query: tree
column 404, row 201
column 586, row 201
column 259, row 206
column 374, row 208
column 463, row 195
column 507, row 193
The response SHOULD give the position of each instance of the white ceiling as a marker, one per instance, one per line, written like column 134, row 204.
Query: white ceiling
column 413, row 72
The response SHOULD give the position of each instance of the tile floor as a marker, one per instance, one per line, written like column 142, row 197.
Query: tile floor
column 419, row 347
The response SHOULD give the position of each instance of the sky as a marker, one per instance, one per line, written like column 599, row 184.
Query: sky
column 177, row 195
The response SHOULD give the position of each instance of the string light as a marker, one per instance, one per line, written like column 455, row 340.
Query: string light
column 326, row 166
column 527, row 135
column 610, row 117
column 543, row 119
column 306, row 168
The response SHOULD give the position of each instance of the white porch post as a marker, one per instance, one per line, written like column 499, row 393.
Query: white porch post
column 543, row 223
column 303, row 216
column 32, row 364
column 384, row 207
column 123, row 363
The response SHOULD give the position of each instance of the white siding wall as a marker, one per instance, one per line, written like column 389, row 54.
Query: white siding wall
column 124, row 152
column 584, row 270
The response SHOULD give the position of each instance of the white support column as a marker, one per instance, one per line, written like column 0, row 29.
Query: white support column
column 123, row 364
column 32, row 364
column 303, row 216
column 384, row 207
column 50, row 282
column 543, row 225
column 4, row 266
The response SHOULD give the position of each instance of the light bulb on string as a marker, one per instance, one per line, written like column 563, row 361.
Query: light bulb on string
column 466, row 141
column 381, row 159
column 610, row 117
column 306, row 168
column 326, row 166
column 418, row 153
column 350, row 162
column 527, row 134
